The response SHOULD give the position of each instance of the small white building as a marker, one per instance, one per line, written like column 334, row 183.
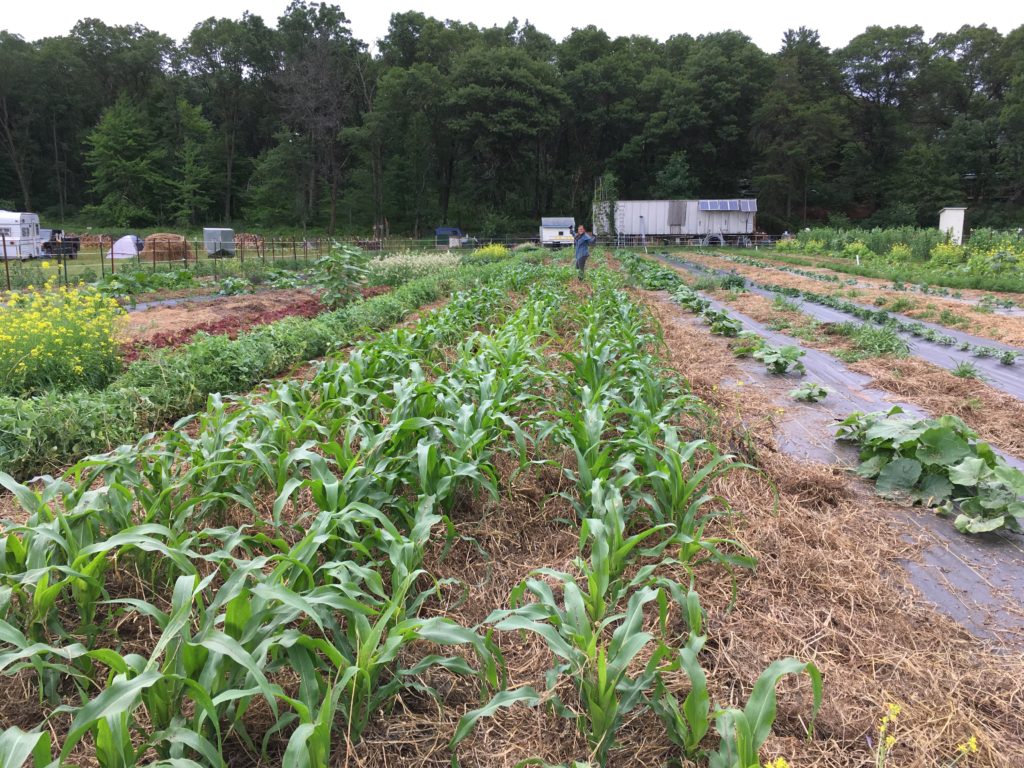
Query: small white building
column 21, row 234
column 951, row 222
column 557, row 230
column 680, row 220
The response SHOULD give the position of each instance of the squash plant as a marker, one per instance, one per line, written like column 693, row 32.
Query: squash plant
column 941, row 463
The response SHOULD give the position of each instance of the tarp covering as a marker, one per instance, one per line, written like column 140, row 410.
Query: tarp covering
column 127, row 247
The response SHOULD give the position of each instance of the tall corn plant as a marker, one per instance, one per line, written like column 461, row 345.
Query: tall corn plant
column 675, row 487
column 597, row 666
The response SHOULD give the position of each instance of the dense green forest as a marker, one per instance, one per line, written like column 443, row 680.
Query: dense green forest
column 298, row 123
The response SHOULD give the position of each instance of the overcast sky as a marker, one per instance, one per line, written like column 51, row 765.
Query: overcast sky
column 763, row 21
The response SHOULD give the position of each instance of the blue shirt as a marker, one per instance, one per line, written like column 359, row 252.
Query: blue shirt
column 583, row 245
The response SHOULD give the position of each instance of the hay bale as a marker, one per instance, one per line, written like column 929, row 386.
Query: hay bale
column 164, row 246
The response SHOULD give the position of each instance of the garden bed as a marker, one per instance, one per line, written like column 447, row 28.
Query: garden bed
column 828, row 585
column 169, row 326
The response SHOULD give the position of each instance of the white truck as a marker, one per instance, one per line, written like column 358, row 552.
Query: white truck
column 20, row 233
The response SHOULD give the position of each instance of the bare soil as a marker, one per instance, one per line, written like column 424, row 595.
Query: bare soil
column 144, row 325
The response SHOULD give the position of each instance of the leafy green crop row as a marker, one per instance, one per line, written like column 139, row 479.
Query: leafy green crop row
column 50, row 431
column 777, row 360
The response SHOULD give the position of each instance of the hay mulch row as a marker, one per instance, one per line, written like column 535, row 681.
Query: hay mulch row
column 1008, row 329
column 995, row 415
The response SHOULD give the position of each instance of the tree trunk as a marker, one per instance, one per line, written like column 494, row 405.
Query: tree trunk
column 8, row 143
column 446, row 187
column 334, row 201
column 229, row 169
column 377, row 161
column 56, row 169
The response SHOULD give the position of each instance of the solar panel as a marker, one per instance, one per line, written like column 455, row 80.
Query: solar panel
column 747, row 206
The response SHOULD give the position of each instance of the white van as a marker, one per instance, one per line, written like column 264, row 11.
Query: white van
column 21, row 233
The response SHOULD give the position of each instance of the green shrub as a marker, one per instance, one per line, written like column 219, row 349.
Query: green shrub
column 856, row 250
column 899, row 253
column 947, row 255
column 340, row 273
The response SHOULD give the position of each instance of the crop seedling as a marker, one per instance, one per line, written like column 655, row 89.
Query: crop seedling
column 234, row 286
column 783, row 304
column 597, row 665
column 781, row 360
column 1009, row 357
column 965, row 369
column 723, row 325
column 733, row 281
column 746, row 343
column 809, row 392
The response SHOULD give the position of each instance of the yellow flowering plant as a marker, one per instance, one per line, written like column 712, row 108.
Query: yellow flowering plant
column 887, row 734
column 487, row 254
column 57, row 337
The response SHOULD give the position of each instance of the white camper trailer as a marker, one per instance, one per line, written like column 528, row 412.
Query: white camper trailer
column 21, row 233
column 679, row 221
column 557, row 231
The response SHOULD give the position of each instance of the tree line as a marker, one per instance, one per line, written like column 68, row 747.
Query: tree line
column 300, row 125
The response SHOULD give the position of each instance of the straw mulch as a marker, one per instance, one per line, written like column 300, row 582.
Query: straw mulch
column 996, row 416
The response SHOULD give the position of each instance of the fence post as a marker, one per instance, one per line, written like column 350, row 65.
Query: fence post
column 7, row 267
column 295, row 253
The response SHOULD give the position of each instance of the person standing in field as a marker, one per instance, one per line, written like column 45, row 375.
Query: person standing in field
column 583, row 240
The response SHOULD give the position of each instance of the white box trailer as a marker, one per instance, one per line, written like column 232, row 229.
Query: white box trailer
column 721, row 221
column 21, row 233
column 557, row 231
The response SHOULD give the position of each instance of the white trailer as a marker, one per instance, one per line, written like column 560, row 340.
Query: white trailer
column 679, row 221
column 20, row 231
column 557, row 231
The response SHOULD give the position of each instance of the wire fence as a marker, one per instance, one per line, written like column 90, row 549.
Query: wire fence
column 99, row 256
